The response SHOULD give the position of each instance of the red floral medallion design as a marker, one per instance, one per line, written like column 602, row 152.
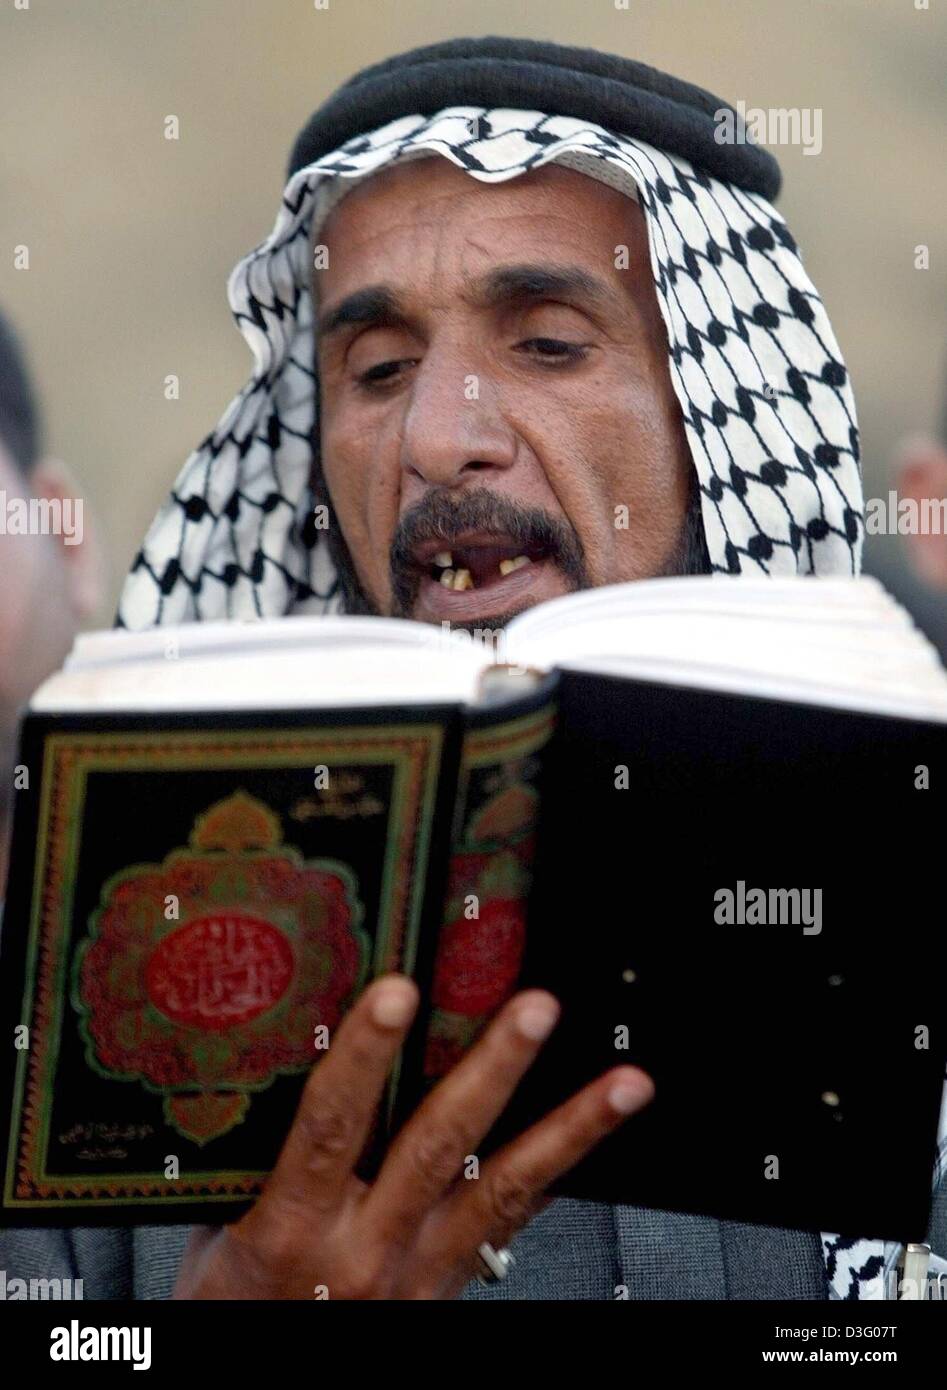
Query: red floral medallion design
column 481, row 946
column 219, row 970
column 265, row 948
column 479, row 958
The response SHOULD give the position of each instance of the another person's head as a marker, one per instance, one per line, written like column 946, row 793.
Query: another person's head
column 920, row 471
column 49, row 571
column 907, row 530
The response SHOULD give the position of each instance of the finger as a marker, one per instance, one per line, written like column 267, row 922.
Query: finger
column 334, row 1117
column 512, row 1185
column 430, row 1150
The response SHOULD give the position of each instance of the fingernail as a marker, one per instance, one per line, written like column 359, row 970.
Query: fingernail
column 537, row 1020
column 393, row 1006
column 624, row 1097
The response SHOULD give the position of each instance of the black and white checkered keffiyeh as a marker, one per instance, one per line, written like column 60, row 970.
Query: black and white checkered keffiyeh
column 765, row 397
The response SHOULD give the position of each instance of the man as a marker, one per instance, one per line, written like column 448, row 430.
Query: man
column 522, row 328
column 50, row 576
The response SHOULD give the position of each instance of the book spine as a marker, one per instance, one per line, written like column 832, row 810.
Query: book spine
column 493, row 844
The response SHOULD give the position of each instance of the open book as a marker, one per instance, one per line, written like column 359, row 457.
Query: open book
column 707, row 813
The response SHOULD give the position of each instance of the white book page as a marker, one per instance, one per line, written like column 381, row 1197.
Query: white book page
column 840, row 642
column 243, row 636
column 843, row 642
column 278, row 664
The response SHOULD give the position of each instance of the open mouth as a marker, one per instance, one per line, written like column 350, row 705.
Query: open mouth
column 478, row 565
column 476, row 574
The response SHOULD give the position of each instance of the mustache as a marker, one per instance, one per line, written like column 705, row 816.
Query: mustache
column 440, row 517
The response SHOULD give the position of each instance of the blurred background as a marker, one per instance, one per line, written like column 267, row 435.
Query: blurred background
column 131, row 236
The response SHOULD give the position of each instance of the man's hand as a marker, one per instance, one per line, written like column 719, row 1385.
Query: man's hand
column 415, row 1231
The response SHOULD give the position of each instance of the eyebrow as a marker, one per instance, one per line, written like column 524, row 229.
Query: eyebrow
column 377, row 306
column 525, row 284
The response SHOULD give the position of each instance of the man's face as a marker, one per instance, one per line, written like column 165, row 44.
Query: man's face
column 498, row 425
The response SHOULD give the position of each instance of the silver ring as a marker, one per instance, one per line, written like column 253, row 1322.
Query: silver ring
column 495, row 1264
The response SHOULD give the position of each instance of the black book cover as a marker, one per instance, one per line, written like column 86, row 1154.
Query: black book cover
column 210, row 892
column 195, row 901
column 798, row 1064
column 798, row 1067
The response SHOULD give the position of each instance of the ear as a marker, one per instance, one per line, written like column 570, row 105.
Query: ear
column 79, row 539
column 921, row 474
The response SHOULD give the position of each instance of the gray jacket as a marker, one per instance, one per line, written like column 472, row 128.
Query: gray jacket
column 572, row 1251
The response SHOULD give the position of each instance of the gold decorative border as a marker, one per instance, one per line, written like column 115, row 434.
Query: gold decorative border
column 415, row 752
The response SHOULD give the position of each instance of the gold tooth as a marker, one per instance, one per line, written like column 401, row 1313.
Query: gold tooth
column 446, row 577
column 444, row 559
column 463, row 579
column 517, row 563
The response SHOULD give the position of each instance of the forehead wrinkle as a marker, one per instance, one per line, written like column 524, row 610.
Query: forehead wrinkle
column 519, row 284
column 506, row 283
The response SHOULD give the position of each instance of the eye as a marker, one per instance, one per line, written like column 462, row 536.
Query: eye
column 382, row 374
column 553, row 350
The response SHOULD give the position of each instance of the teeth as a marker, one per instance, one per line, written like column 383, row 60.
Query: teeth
column 444, row 559
column 517, row 563
column 456, row 579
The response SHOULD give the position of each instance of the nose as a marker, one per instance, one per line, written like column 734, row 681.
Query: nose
column 454, row 426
